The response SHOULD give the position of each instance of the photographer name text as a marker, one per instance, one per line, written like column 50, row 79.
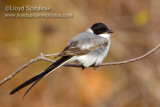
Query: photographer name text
column 9, row 8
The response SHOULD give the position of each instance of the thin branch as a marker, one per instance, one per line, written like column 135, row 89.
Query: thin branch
column 132, row 60
column 43, row 57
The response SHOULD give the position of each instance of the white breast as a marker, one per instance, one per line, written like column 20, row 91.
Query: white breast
column 101, row 58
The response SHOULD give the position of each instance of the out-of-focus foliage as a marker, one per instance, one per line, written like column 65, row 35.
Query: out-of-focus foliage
column 137, row 30
column 141, row 18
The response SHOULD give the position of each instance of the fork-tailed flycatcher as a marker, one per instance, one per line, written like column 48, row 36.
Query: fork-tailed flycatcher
column 88, row 49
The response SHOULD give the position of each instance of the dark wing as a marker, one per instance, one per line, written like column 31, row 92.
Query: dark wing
column 74, row 50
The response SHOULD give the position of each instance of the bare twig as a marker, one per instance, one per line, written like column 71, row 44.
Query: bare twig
column 132, row 60
column 43, row 57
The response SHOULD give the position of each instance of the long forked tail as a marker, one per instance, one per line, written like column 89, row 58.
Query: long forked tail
column 39, row 76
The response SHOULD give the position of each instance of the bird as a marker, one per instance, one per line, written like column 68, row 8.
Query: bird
column 88, row 49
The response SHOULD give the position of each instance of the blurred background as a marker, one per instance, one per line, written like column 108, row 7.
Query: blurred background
column 137, row 30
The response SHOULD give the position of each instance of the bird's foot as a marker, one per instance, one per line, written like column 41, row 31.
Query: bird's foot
column 83, row 67
column 95, row 67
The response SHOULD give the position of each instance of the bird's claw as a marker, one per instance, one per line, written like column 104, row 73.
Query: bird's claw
column 95, row 67
column 83, row 67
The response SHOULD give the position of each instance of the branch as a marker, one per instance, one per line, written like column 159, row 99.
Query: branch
column 43, row 57
column 132, row 60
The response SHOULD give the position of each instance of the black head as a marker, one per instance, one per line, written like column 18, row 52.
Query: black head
column 100, row 28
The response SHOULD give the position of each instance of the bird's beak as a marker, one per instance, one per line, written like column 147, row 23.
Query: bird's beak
column 110, row 31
